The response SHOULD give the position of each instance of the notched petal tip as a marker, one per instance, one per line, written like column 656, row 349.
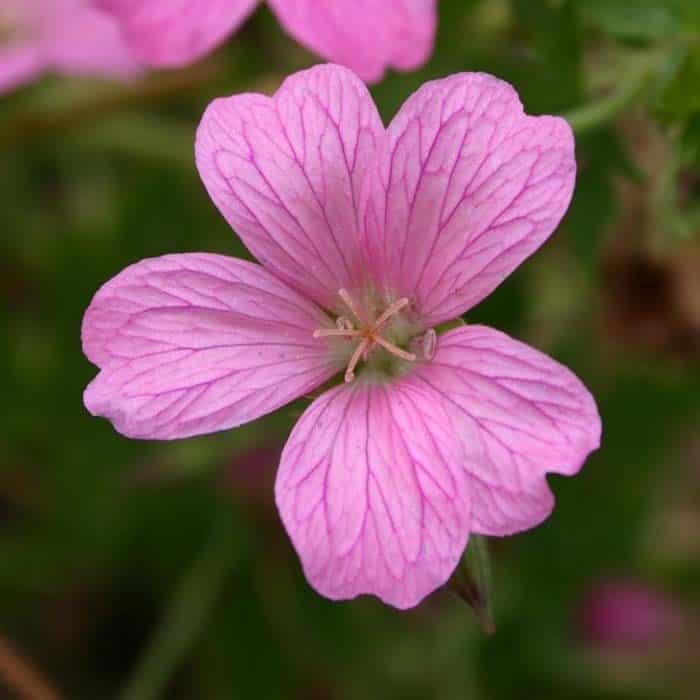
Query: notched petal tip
column 520, row 415
column 289, row 173
column 473, row 187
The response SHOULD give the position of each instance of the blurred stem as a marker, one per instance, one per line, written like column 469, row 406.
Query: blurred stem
column 187, row 612
column 141, row 136
column 22, row 676
column 632, row 84
column 69, row 107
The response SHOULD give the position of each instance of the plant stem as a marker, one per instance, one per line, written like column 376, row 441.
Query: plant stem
column 22, row 676
column 70, row 107
column 187, row 612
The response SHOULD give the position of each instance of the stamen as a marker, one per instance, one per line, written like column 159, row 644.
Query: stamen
column 367, row 333
column 393, row 349
column 336, row 333
column 359, row 351
column 390, row 311
column 347, row 299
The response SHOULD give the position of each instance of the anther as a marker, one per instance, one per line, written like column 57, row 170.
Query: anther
column 429, row 344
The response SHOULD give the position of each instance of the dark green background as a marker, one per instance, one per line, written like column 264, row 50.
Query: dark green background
column 162, row 570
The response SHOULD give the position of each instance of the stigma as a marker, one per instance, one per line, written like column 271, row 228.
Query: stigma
column 369, row 333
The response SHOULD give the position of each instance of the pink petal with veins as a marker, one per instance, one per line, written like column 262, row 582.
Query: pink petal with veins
column 382, row 478
column 520, row 415
column 470, row 187
column 191, row 344
column 372, row 492
column 171, row 33
column 289, row 174
column 365, row 35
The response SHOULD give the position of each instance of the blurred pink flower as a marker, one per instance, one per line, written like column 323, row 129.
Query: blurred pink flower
column 368, row 239
column 365, row 35
column 628, row 615
column 251, row 473
column 65, row 36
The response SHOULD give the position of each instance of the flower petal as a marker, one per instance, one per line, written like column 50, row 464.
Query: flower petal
column 170, row 33
column 372, row 492
column 20, row 64
column 84, row 40
column 365, row 35
column 191, row 344
column 473, row 187
column 520, row 415
column 288, row 172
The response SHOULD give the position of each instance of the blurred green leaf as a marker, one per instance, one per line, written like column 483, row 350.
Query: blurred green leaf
column 633, row 19
column 601, row 157
column 680, row 98
column 554, row 32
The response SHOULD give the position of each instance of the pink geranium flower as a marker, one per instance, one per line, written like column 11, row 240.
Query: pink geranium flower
column 365, row 35
column 65, row 36
column 369, row 239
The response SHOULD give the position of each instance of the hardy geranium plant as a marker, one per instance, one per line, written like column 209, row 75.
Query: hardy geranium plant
column 365, row 35
column 65, row 36
column 370, row 240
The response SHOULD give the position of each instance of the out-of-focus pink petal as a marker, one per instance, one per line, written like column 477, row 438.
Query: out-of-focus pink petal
column 170, row 33
column 520, row 415
column 19, row 64
column 473, row 187
column 66, row 36
column 22, row 57
column 372, row 492
column 365, row 35
column 87, row 41
column 628, row 614
column 191, row 344
column 288, row 173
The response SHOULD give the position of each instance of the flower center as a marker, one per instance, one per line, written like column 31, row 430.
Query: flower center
column 370, row 333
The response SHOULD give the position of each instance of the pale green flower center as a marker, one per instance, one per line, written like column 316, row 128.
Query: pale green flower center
column 372, row 331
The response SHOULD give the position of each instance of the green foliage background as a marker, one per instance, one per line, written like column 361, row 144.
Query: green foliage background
column 143, row 570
